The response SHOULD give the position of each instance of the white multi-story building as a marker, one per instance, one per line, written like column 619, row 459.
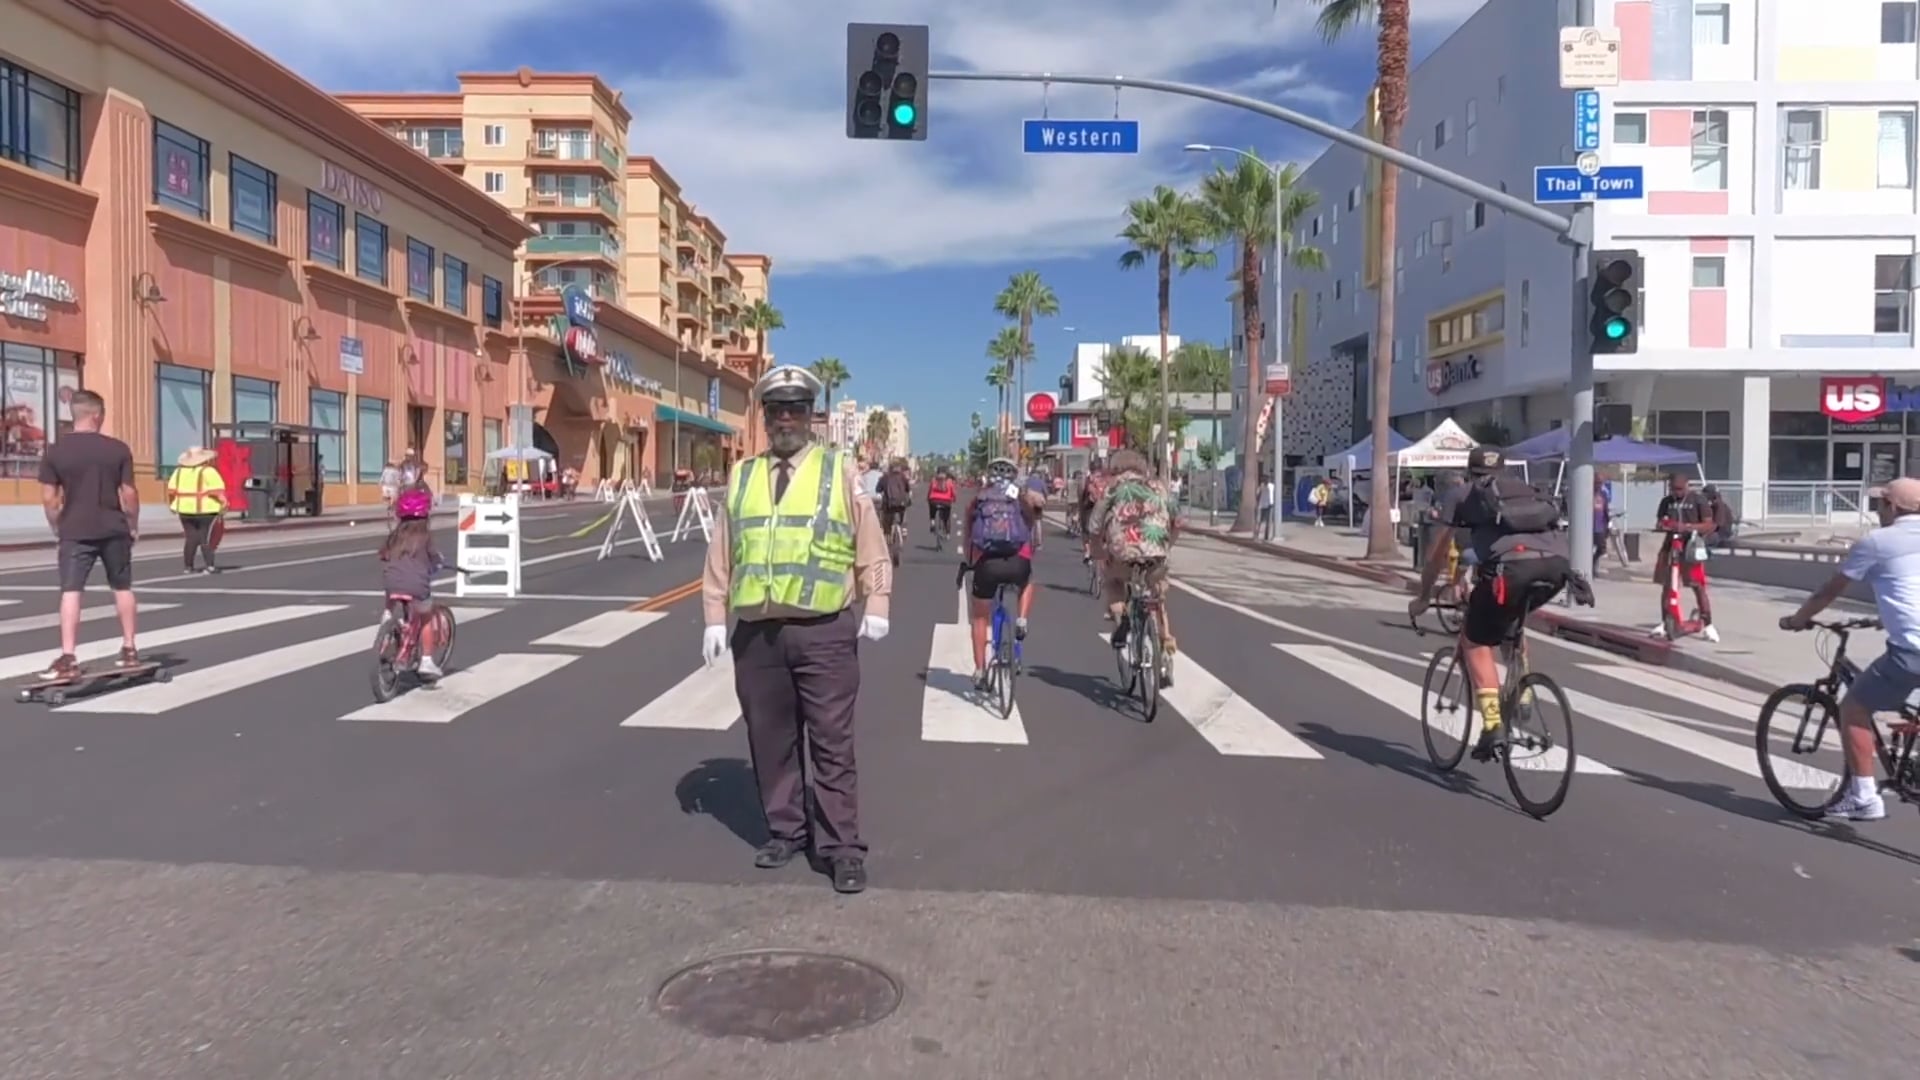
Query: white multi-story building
column 845, row 423
column 1086, row 372
column 1779, row 230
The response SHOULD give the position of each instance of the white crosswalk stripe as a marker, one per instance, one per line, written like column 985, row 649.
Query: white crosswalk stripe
column 28, row 663
column 51, row 620
column 601, row 630
column 703, row 701
column 466, row 690
column 1225, row 719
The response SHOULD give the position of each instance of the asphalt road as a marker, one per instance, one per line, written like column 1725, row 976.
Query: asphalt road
column 249, row 873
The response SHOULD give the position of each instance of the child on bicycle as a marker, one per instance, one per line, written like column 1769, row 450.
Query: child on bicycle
column 411, row 563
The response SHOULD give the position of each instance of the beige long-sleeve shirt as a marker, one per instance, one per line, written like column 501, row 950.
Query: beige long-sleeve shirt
column 869, row 582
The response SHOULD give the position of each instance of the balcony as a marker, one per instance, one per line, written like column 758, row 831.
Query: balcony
column 611, row 158
column 573, row 199
column 567, row 151
column 440, row 144
column 691, row 281
column 666, row 249
column 599, row 288
column 683, row 237
column 609, row 203
column 551, row 246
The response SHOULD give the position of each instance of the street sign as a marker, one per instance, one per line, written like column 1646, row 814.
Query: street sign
column 1082, row 136
column 1586, row 120
column 487, row 559
column 1279, row 380
column 1566, row 183
column 487, row 546
column 1589, row 57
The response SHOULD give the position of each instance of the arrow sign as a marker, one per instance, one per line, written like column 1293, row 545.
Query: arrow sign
column 499, row 519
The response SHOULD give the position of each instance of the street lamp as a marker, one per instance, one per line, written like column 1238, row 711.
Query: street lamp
column 1279, row 261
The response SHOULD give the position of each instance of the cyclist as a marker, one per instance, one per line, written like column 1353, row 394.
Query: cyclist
column 1135, row 524
column 1888, row 560
column 1092, row 490
column 1041, row 485
column 940, row 495
column 896, row 496
column 411, row 562
column 1521, row 562
column 1000, row 527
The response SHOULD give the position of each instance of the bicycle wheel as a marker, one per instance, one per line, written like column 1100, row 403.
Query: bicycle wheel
column 1807, row 714
column 1445, row 710
column 1538, row 749
column 1150, row 658
column 1004, row 671
column 442, row 635
column 1123, row 657
column 1451, row 619
column 387, row 642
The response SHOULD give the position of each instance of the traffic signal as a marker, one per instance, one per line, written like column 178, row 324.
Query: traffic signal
column 886, row 81
column 1615, row 285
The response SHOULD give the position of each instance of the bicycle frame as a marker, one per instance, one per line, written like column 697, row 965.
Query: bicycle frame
column 1841, row 672
column 1000, row 624
column 412, row 627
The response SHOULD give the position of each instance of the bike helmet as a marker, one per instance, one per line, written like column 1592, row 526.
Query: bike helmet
column 414, row 504
column 1002, row 468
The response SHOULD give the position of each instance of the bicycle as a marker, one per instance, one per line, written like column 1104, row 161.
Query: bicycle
column 1898, row 761
column 1142, row 658
column 896, row 535
column 1449, row 595
column 1004, row 660
column 1520, row 693
column 396, row 644
column 941, row 525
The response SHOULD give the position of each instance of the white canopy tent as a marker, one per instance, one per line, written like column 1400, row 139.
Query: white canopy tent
column 534, row 464
column 1445, row 447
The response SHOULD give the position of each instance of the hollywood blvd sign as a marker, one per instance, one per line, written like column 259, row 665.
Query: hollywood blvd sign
column 1444, row 375
column 1859, row 399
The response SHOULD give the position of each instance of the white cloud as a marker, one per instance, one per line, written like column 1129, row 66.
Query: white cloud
column 782, row 177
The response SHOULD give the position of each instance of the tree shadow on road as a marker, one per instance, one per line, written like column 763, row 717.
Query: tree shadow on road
column 724, row 790
column 1400, row 758
column 1722, row 797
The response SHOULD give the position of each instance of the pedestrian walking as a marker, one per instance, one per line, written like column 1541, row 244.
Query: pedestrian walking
column 197, row 495
column 798, row 559
column 86, row 487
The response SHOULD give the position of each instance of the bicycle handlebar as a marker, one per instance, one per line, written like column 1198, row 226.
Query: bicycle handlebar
column 1842, row 626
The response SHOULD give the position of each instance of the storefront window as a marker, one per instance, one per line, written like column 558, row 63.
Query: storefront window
column 370, row 439
column 369, row 249
column 456, row 447
column 492, row 302
column 419, row 270
column 326, row 231
column 39, row 123
column 255, row 401
column 34, row 390
column 180, row 170
column 1797, row 448
column 183, row 399
column 327, row 411
column 1707, row 434
column 492, row 436
column 453, row 284
column 255, row 199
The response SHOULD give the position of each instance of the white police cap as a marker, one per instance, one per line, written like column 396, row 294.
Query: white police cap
column 789, row 383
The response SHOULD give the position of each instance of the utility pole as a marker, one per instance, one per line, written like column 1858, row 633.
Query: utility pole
column 1580, row 384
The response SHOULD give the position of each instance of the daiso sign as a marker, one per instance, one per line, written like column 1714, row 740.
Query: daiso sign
column 1856, row 399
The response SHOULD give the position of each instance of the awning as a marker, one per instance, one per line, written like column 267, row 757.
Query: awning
column 667, row 414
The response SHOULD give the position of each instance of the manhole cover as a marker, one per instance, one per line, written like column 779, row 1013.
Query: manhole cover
column 778, row 995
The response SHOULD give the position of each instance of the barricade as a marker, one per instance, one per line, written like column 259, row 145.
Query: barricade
column 696, row 512
column 630, row 507
column 488, row 548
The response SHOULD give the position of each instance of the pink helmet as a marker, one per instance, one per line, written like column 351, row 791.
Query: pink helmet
column 413, row 504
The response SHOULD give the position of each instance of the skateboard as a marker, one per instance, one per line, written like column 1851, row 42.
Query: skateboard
column 54, row 691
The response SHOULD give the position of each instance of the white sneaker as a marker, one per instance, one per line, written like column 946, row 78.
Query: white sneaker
column 1710, row 633
column 428, row 669
column 980, row 679
column 1859, row 806
column 1659, row 632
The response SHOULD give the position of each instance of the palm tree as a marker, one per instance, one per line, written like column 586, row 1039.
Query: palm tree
column 832, row 375
column 1240, row 201
column 1392, row 19
column 879, row 432
column 762, row 318
column 1024, row 299
column 1000, row 377
column 1129, row 376
column 1169, row 227
column 1009, row 352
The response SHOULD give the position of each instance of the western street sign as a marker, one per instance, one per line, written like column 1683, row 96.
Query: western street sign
column 1082, row 136
column 1566, row 184
column 1586, row 120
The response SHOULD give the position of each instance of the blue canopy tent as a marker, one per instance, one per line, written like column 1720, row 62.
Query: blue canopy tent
column 1618, row 450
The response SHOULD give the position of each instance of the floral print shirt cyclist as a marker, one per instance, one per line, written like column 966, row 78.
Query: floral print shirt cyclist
column 1135, row 519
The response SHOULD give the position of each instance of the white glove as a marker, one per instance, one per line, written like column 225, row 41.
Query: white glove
column 712, row 644
column 873, row 627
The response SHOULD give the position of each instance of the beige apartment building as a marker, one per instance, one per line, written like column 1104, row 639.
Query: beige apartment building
column 649, row 372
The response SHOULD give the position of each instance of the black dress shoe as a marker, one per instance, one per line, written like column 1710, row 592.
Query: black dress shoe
column 777, row 853
column 849, row 874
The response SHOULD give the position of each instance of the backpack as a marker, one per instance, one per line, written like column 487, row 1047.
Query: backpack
column 1723, row 523
column 999, row 526
column 896, row 489
column 1510, row 505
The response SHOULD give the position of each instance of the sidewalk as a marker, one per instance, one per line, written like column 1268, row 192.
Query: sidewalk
column 1753, row 651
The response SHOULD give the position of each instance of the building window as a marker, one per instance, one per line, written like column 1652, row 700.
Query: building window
column 1338, row 289
column 35, row 388
column 494, row 135
column 1500, row 88
column 1709, row 271
column 492, row 437
column 1479, row 214
column 453, row 284
column 1710, row 149
column 1353, row 197
column 492, row 303
column 369, row 249
column 1400, row 270
column 493, row 183
column 183, row 397
column 1893, row 294
column 419, row 270
column 1897, row 22
column 1630, row 129
column 1473, row 126
column 255, row 401
column 327, row 413
column 1526, row 311
column 180, row 170
column 456, row 448
column 1895, row 155
column 255, row 199
column 1712, row 24
column 1801, row 135
column 326, row 231
column 369, row 439
column 39, row 123
column 1440, row 132
column 1707, row 434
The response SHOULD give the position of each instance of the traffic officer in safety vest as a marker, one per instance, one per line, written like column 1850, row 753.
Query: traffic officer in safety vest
column 797, row 548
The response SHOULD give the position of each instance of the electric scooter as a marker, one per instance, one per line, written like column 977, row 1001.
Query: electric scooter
column 1672, row 626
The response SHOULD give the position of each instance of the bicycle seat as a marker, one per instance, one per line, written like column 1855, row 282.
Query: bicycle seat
column 402, row 597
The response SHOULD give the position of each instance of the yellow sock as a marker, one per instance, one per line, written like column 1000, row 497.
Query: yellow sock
column 1488, row 702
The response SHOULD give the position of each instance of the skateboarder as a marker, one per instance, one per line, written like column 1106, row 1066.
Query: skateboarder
column 86, row 487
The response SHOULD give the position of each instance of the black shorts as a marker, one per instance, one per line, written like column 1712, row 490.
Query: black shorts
column 1530, row 583
column 114, row 554
column 993, row 572
column 941, row 512
column 889, row 515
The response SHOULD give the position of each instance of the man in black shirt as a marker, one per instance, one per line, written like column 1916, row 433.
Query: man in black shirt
column 1686, row 516
column 86, row 487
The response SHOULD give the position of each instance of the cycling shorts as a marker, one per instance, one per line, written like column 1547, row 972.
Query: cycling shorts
column 1505, row 592
column 941, row 512
column 890, row 515
column 995, row 571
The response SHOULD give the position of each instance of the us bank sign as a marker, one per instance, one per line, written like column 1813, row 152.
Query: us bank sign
column 26, row 296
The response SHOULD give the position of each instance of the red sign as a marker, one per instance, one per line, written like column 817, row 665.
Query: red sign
column 582, row 345
column 1853, row 399
column 1040, row 406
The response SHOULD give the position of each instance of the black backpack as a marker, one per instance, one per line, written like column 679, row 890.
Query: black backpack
column 1509, row 504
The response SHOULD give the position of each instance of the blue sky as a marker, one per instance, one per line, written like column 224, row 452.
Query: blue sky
column 888, row 256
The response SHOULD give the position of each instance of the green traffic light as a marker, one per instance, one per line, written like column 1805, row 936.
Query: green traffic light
column 1616, row 329
column 903, row 113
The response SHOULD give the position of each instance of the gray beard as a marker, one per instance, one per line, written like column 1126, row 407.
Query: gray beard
column 787, row 443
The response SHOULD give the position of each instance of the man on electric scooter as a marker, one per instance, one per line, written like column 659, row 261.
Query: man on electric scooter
column 1686, row 517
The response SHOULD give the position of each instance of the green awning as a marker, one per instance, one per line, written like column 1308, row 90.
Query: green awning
column 667, row 414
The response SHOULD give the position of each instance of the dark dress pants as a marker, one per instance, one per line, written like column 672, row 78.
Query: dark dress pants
column 798, row 680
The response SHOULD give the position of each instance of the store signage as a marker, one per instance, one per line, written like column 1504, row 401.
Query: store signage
column 713, row 399
column 621, row 369
column 26, row 296
column 348, row 188
column 1856, row 399
column 1444, row 375
column 353, row 356
column 578, row 305
column 1040, row 406
column 583, row 348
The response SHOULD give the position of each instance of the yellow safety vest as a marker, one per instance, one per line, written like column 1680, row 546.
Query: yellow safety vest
column 800, row 553
column 205, row 479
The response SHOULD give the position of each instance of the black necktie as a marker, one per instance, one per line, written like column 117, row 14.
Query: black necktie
column 783, row 470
